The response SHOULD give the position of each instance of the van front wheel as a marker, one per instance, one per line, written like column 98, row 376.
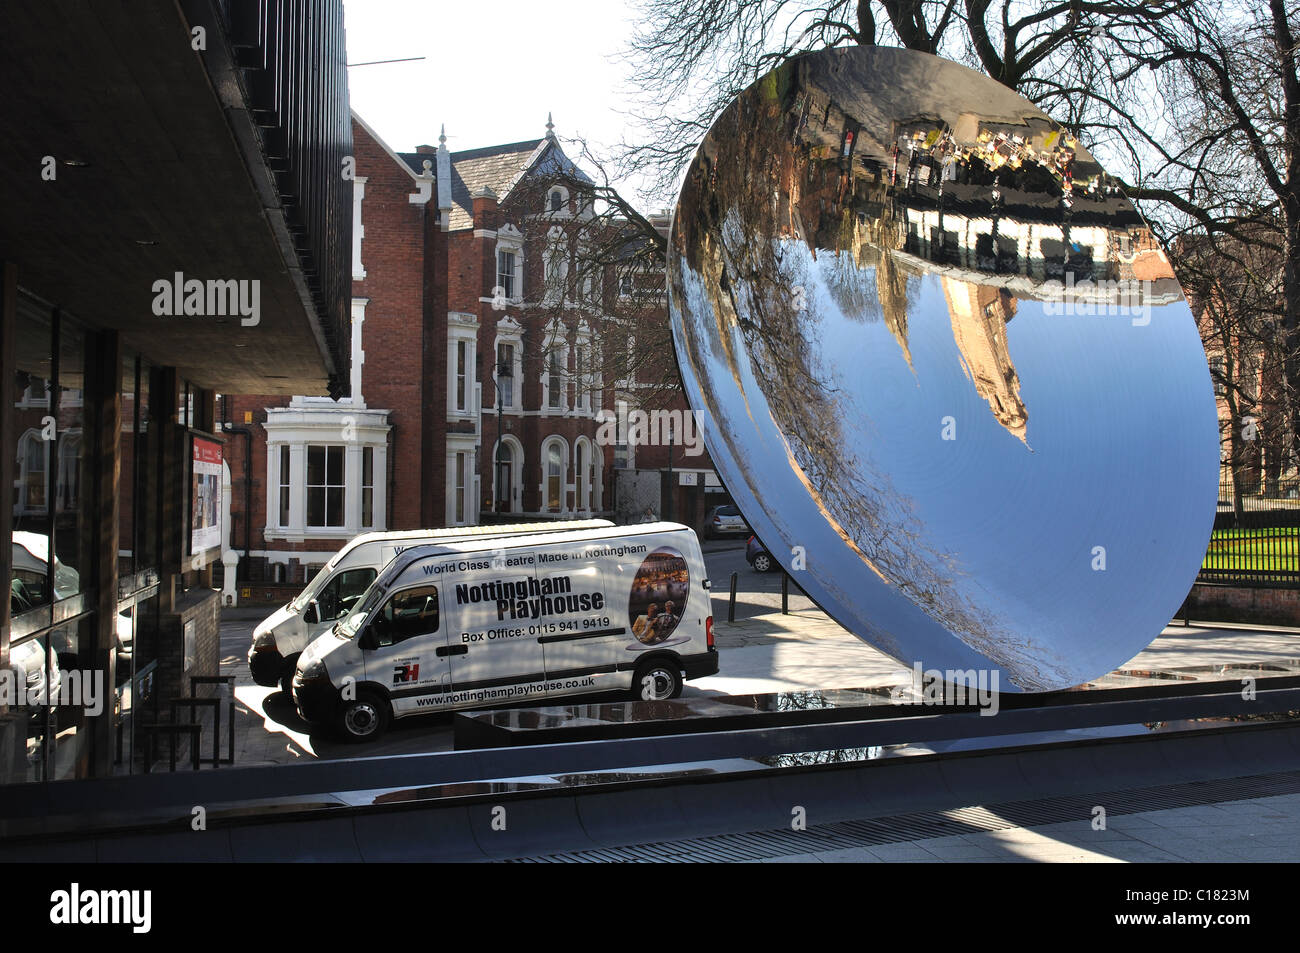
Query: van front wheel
column 364, row 718
column 657, row 681
column 286, row 676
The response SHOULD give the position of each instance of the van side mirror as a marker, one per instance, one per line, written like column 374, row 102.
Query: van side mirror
column 368, row 641
column 312, row 615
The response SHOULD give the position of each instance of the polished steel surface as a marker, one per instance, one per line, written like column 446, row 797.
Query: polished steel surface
column 944, row 368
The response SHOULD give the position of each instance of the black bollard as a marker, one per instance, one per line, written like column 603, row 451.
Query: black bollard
column 731, row 606
column 785, row 593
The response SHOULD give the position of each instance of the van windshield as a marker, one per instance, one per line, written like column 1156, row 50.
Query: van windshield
column 309, row 593
column 347, row 626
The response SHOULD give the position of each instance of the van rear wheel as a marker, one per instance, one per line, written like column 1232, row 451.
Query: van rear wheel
column 657, row 681
column 364, row 718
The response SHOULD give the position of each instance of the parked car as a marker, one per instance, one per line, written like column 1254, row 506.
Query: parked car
column 724, row 521
column 758, row 556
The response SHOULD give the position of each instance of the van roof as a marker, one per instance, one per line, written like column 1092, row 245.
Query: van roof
column 417, row 553
column 469, row 532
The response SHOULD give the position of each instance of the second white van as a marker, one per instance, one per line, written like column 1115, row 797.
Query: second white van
column 280, row 637
column 479, row 623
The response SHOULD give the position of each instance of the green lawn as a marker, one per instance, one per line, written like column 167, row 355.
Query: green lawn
column 1255, row 550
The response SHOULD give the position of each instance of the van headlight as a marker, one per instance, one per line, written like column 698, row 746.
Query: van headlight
column 313, row 671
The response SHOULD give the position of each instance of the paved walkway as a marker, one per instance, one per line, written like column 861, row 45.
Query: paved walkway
column 1259, row 830
column 806, row 649
column 764, row 653
column 771, row 651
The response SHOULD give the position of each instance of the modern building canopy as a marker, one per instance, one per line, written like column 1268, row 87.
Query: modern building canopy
column 133, row 157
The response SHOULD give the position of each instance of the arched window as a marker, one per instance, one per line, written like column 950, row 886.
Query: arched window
column 555, row 466
column 580, row 471
column 65, row 491
column 505, row 460
column 554, row 477
column 33, row 462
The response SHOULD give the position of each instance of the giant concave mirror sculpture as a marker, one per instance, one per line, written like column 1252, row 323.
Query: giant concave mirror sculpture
column 943, row 368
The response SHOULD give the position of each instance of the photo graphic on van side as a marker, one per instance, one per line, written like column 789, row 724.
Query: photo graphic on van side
column 658, row 598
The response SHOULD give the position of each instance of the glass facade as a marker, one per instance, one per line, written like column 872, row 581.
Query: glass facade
column 57, row 681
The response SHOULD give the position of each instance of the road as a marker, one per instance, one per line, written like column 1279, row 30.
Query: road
column 763, row 651
column 272, row 732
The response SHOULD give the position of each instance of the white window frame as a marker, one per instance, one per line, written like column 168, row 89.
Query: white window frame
column 326, row 486
column 462, row 328
column 563, row 210
column 358, row 229
column 556, row 250
column 355, row 398
column 585, row 376
column 557, row 347
column 510, row 239
column 281, row 466
column 32, row 436
column 68, row 473
column 291, row 430
column 464, row 447
column 510, row 331
column 565, row 486
column 364, row 486
column 517, row 459
column 585, row 452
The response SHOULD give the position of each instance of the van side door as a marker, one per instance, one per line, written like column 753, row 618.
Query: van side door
column 496, row 625
column 405, row 649
column 586, row 642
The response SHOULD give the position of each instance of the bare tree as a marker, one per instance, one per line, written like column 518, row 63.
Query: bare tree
column 1194, row 106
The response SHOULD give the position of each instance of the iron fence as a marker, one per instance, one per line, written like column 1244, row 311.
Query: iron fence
column 1256, row 539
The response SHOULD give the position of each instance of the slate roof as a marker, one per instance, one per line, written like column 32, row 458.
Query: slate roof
column 498, row 167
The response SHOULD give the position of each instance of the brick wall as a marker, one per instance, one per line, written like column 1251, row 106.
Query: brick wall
column 202, row 606
column 1211, row 603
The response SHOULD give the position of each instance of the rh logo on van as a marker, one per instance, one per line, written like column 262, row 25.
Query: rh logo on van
column 406, row 673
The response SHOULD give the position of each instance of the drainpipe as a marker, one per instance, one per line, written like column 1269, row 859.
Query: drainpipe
column 228, row 427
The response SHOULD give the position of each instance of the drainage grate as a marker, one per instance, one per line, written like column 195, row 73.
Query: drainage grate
column 900, row 828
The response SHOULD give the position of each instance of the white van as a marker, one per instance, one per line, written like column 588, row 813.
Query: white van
column 458, row 625
column 281, row 636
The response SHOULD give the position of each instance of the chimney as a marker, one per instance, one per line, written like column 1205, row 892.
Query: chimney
column 485, row 207
column 426, row 150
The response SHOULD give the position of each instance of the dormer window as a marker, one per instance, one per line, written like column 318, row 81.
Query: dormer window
column 557, row 200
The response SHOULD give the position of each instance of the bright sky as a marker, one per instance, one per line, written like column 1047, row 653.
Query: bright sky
column 492, row 70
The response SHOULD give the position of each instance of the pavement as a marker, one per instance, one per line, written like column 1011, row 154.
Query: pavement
column 1258, row 830
column 765, row 651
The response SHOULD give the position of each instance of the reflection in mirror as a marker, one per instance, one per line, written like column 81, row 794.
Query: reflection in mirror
column 930, row 342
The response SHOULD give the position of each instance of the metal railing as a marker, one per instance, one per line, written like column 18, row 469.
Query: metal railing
column 1256, row 539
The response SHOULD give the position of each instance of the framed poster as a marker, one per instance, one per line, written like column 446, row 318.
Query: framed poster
column 205, row 495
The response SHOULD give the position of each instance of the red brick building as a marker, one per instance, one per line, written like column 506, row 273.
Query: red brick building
column 461, row 279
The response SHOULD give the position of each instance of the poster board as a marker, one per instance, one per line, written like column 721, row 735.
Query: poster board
column 205, row 494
